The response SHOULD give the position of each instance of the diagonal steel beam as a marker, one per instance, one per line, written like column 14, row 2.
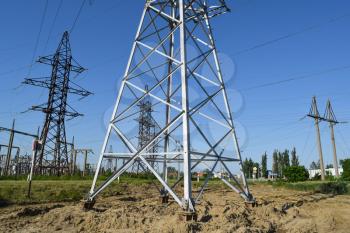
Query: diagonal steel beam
column 125, row 166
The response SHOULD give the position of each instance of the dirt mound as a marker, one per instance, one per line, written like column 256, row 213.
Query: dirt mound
column 4, row 203
column 279, row 210
column 33, row 211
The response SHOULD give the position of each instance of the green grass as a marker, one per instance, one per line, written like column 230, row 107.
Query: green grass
column 43, row 191
column 60, row 190
column 311, row 186
column 65, row 189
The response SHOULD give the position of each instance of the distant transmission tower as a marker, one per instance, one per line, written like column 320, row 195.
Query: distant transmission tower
column 147, row 131
column 189, row 102
column 52, row 157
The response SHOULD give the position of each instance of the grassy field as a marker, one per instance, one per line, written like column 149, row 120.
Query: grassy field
column 43, row 191
column 315, row 186
column 15, row 191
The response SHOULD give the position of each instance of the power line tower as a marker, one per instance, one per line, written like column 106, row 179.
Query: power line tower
column 53, row 155
column 313, row 113
column 329, row 116
column 147, row 131
column 189, row 101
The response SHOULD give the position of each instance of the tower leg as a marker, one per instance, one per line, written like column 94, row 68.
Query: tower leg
column 187, row 198
column 319, row 146
column 228, row 110
column 335, row 159
column 116, row 107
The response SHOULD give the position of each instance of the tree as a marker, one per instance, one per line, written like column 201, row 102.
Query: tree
column 329, row 166
column 171, row 169
column 346, row 169
column 251, row 165
column 248, row 165
column 280, row 164
column 245, row 168
column 264, row 165
column 206, row 172
column 296, row 173
column 314, row 166
column 275, row 161
column 294, row 158
column 286, row 162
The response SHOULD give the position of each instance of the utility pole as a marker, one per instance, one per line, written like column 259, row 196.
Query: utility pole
column 12, row 132
column 9, row 150
column 71, row 157
column 75, row 153
column 53, row 157
column 116, row 160
column 72, row 152
column 2, row 170
column 35, row 149
column 329, row 116
column 85, row 152
column 316, row 116
column 109, row 166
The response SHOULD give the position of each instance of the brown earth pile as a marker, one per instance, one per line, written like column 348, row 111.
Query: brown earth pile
column 138, row 209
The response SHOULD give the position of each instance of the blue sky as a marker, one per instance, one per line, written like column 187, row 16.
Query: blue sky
column 260, row 42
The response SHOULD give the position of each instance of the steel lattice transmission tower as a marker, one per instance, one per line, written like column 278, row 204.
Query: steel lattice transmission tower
column 52, row 156
column 174, row 54
column 147, row 131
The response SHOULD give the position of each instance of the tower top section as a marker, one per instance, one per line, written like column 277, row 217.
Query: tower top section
column 194, row 8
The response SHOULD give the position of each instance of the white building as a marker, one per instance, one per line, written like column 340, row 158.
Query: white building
column 313, row 172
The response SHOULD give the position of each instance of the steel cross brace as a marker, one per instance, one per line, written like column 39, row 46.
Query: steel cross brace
column 128, row 164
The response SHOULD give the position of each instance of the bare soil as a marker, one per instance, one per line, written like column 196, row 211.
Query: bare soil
column 138, row 209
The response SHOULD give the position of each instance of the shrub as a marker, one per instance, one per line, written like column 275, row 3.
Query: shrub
column 333, row 187
column 330, row 177
column 346, row 169
column 296, row 173
column 317, row 176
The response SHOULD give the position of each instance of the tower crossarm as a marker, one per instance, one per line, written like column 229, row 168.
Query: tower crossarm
column 200, row 10
column 71, row 114
column 18, row 132
column 316, row 117
column 46, row 83
column 39, row 82
column 329, row 114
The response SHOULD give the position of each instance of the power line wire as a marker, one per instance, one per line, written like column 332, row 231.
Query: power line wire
column 77, row 16
column 306, row 141
column 53, row 24
column 312, row 75
column 344, row 141
column 310, row 28
column 14, row 70
column 38, row 37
